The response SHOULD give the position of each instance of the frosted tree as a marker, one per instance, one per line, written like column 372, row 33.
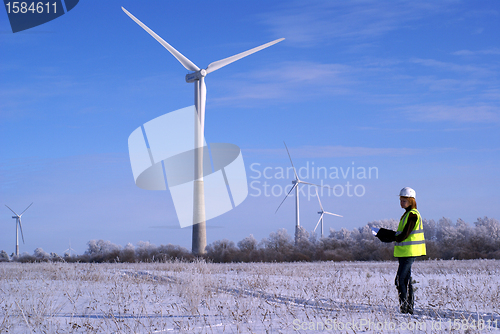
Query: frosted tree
column 430, row 228
column 41, row 255
column 127, row 254
column 305, row 248
column 146, row 251
column 444, row 227
column 490, row 226
column 249, row 249
column 390, row 224
column 171, row 252
column 463, row 231
column 248, row 244
column 343, row 234
column 485, row 239
column 4, row 257
column 54, row 257
column 278, row 246
column 222, row 251
column 103, row 251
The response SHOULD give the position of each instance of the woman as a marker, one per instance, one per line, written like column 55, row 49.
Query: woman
column 410, row 243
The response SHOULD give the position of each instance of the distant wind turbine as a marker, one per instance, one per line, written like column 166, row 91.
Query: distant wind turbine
column 18, row 222
column 322, row 213
column 69, row 249
column 296, row 183
column 200, row 92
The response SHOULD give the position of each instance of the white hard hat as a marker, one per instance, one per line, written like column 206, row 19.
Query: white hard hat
column 408, row 192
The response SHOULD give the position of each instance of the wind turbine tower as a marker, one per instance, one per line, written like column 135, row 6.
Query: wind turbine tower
column 200, row 92
column 18, row 222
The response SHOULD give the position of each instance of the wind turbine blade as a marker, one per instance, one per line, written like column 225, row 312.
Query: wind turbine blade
column 333, row 214
column 319, row 220
column 12, row 210
column 286, row 197
column 26, row 209
column 226, row 61
column 309, row 183
column 321, row 206
column 296, row 176
column 21, row 228
column 316, row 185
column 188, row 64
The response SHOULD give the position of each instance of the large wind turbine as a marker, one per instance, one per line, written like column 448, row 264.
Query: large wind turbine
column 322, row 213
column 200, row 93
column 18, row 222
column 295, row 186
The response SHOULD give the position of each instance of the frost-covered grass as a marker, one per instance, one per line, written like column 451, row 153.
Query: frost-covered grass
column 201, row 297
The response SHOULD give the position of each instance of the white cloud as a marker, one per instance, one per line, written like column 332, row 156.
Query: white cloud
column 452, row 66
column 314, row 22
column 446, row 84
column 338, row 151
column 439, row 113
column 291, row 80
column 493, row 51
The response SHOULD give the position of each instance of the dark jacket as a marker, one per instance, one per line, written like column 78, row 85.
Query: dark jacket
column 386, row 235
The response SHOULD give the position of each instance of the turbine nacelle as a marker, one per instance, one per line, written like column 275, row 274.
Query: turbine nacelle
column 192, row 77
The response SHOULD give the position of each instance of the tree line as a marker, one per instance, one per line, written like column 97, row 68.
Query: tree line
column 444, row 240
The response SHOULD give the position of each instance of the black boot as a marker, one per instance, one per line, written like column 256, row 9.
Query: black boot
column 411, row 299
column 406, row 305
column 403, row 304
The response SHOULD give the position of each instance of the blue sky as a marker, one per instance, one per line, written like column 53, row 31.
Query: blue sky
column 408, row 89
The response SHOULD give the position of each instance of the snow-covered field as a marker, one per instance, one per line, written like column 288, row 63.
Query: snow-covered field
column 248, row 298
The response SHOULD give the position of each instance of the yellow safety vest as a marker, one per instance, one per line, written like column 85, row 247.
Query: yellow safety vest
column 414, row 245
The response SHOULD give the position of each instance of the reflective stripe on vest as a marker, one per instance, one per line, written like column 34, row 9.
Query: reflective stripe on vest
column 406, row 243
column 414, row 245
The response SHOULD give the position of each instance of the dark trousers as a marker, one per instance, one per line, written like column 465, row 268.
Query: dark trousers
column 403, row 283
